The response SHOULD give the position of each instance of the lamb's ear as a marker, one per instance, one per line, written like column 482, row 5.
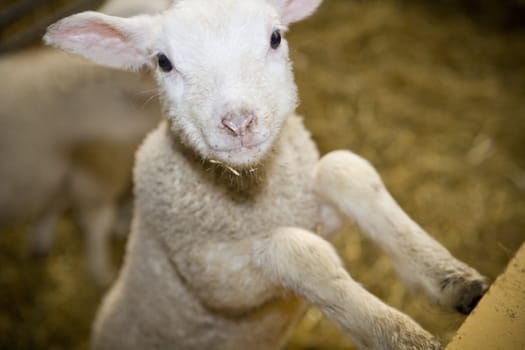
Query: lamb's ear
column 295, row 10
column 108, row 40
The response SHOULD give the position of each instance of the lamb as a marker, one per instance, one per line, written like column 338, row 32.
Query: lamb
column 234, row 207
column 127, row 8
column 71, row 145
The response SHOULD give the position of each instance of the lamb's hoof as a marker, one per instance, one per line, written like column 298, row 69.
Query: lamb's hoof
column 470, row 295
column 462, row 291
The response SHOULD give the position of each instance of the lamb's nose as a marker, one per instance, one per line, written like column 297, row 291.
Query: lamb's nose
column 238, row 124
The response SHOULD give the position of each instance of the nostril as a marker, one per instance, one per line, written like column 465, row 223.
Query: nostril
column 230, row 126
column 238, row 125
column 247, row 122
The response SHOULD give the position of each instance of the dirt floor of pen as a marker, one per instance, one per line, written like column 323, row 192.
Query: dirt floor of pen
column 433, row 98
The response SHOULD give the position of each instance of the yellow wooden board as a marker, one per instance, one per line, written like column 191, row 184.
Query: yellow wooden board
column 498, row 322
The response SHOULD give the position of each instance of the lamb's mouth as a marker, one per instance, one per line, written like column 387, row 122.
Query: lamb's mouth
column 240, row 158
column 239, row 148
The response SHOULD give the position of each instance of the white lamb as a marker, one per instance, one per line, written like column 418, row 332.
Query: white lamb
column 230, row 194
column 68, row 134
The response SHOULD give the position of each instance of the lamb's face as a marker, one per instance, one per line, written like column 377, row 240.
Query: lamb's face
column 225, row 77
column 222, row 67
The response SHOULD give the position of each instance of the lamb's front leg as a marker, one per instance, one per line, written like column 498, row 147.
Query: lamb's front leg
column 352, row 185
column 305, row 263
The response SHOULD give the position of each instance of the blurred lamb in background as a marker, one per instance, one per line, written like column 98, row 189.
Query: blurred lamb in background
column 23, row 22
column 68, row 134
column 126, row 8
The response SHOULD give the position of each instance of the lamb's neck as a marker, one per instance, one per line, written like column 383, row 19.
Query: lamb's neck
column 242, row 181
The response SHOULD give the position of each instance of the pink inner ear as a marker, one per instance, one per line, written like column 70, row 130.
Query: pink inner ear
column 107, row 40
column 98, row 32
column 102, row 43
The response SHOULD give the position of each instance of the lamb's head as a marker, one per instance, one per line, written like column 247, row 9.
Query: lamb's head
column 222, row 67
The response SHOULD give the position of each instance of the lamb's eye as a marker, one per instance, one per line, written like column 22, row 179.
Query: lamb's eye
column 275, row 40
column 164, row 62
